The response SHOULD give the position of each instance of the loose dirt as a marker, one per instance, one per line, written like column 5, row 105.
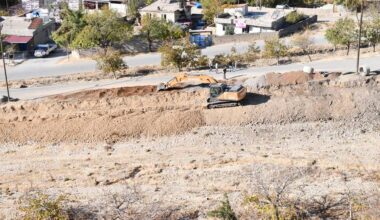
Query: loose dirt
column 109, row 93
column 130, row 112
column 183, row 157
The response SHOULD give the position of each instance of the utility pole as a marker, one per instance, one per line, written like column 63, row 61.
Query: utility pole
column 5, row 68
column 360, row 34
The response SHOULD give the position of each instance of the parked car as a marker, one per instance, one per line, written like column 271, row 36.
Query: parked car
column 282, row 6
column 43, row 50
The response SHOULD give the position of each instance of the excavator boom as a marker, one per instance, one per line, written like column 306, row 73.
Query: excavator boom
column 221, row 94
column 182, row 78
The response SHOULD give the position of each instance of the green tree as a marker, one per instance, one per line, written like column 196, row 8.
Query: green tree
column 154, row 29
column 103, row 29
column 180, row 55
column 110, row 62
column 148, row 2
column 331, row 36
column 372, row 31
column 72, row 24
column 224, row 211
column 211, row 8
column 274, row 48
column 133, row 9
column 175, row 31
column 342, row 33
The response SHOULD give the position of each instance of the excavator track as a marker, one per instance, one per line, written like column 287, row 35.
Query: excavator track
column 222, row 104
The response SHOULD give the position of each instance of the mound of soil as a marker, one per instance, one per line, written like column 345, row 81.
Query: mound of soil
column 109, row 93
column 123, row 113
column 295, row 78
column 286, row 79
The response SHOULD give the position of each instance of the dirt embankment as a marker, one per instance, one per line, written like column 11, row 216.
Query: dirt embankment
column 117, row 114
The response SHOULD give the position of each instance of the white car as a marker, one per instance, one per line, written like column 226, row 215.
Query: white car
column 43, row 50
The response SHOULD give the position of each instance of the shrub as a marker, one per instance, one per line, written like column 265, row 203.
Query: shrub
column 294, row 17
column 202, row 61
column 230, row 30
column 252, row 54
column 40, row 206
column 224, row 211
column 110, row 62
column 221, row 60
column 274, row 48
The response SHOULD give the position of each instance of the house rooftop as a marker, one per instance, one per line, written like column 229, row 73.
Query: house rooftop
column 162, row 6
column 266, row 17
column 13, row 25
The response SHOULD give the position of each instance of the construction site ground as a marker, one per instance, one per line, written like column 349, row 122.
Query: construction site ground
column 179, row 157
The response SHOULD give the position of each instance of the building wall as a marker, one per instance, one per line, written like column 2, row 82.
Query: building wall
column 172, row 17
column 238, row 30
column 75, row 4
column 119, row 8
column 243, row 9
column 219, row 30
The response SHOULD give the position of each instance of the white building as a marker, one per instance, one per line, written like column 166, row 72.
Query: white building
column 239, row 20
column 170, row 10
column 120, row 6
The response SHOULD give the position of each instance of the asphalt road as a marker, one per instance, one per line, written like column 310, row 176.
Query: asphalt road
column 56, row 64
column 344, row 65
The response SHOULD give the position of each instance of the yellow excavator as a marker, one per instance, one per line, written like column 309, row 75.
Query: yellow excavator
column 221, row 94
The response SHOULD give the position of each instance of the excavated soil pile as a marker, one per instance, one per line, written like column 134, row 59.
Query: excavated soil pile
column 117, row 114
column 287, row 79
column 102, row 115
column 295, row 78
column 109, row 93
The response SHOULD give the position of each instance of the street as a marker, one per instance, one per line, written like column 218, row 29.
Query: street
column 57, row 64
column 344, row 64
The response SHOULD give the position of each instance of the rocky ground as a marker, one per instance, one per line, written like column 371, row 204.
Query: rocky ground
column 168, row 157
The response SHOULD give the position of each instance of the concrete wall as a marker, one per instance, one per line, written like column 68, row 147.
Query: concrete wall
column 264, row 33
column 325, row 14
column 121, row 9
column 243, row 37
column 297, row 27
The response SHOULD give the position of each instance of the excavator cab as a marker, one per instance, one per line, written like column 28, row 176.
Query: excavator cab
column 216, row 90
column 223, row 95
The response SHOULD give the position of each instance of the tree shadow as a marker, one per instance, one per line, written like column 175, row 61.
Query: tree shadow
column 188, row 86
column 138, row 73
column 255, row 99
column 4, row 99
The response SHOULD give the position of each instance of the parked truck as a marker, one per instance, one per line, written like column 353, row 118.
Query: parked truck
column 43, row 50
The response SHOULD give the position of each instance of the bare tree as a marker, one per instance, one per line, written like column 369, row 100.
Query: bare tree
column 121, row 205
column 271, row 192
column 303, row 41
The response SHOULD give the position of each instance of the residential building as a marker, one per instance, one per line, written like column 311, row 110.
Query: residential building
column 27, row 32
column 120, row 6
column 171, row 10
column 237, row 19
